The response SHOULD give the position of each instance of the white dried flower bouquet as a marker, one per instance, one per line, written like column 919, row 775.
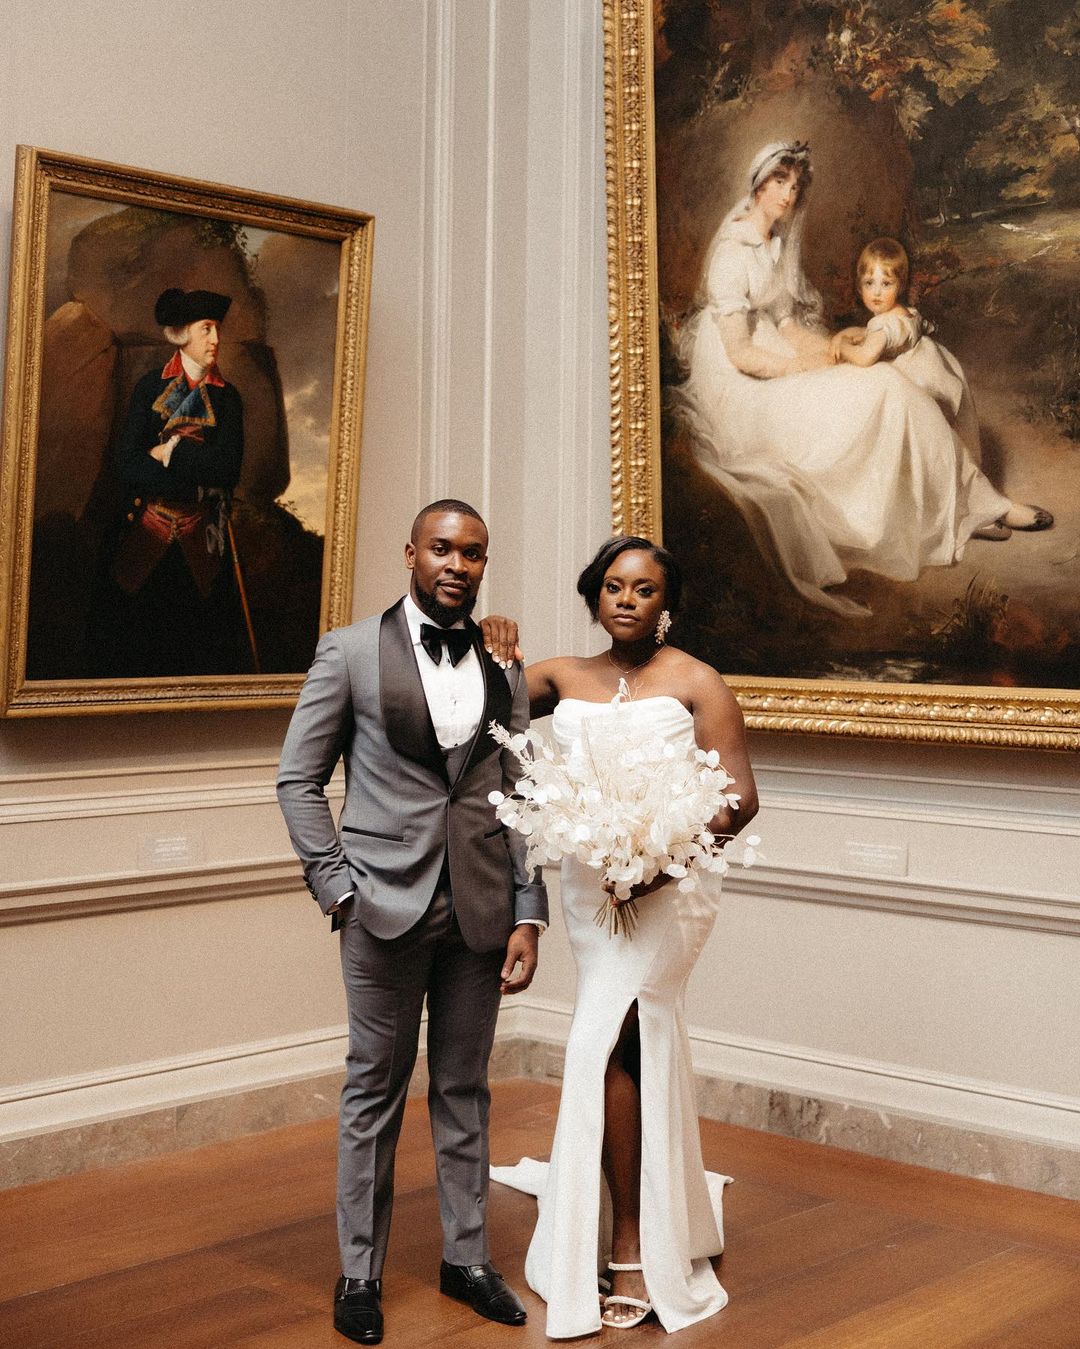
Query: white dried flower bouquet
column 629, row 804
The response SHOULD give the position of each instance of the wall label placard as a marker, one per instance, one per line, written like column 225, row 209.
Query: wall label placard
column 876, row 859
column 169, row 850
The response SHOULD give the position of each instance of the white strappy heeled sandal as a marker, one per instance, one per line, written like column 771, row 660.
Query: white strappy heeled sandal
column 618, row 1300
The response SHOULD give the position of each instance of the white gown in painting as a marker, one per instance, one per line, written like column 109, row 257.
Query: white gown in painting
column 837, row 468
column 681, row 1207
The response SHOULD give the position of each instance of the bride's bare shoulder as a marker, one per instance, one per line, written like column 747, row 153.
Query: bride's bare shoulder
column 704, row 683
column 557, row 671
column 550, row 681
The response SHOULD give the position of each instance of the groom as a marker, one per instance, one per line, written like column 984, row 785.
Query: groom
column 429, row 891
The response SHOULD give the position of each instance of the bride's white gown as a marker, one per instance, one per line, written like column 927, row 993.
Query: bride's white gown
column 681, row 1213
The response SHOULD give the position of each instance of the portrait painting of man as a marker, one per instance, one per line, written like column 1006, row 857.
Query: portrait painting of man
column 177, row 474
column 191, row 439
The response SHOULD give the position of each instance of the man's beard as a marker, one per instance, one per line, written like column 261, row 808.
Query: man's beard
column 438, row 612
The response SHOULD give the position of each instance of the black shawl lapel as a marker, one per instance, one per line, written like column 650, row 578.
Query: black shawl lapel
column 406, row 718
column 498, row 705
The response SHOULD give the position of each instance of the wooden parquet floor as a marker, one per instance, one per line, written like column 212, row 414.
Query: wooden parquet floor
column 234, row 1245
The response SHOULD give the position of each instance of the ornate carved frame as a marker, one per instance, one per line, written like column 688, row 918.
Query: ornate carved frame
column 956, row 714
column 37, row 174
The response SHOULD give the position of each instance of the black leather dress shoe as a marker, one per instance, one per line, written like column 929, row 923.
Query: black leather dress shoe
column 485, row 1290
column 358, row 1309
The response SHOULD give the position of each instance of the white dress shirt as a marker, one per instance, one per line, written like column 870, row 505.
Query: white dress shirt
column 454, row 693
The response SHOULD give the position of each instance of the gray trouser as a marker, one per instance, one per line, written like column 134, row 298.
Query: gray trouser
column 385, row 985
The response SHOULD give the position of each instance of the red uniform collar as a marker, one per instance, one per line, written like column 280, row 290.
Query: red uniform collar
column 175, row 366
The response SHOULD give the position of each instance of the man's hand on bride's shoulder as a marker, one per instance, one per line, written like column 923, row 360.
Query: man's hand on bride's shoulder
column 501, row 639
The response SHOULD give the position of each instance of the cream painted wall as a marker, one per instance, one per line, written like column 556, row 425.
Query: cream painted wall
column 412, row 112
column 473, row 133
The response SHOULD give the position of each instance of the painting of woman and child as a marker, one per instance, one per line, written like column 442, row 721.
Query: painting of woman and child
column 867, row 241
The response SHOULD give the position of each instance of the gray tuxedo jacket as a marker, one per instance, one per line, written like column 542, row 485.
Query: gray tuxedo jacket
column 405, row 811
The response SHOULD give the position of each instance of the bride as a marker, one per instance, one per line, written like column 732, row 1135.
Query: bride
column 833, row 470
column 626, row 1142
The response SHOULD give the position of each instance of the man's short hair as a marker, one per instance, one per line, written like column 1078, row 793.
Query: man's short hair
column 447, row 506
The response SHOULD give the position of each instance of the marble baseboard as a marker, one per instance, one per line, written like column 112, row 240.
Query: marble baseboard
column 192, row 1124
column 128, row 1138
column 1001, row 1158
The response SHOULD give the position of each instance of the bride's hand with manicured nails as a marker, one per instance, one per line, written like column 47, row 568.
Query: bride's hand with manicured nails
column 501, row 639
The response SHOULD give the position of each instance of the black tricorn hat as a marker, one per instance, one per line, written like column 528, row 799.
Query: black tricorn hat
column 177, row 308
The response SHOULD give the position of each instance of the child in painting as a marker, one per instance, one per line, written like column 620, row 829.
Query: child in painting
column 899, row 334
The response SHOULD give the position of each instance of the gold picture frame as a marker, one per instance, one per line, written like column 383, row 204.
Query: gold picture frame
column 89, row 238
column 976, row 714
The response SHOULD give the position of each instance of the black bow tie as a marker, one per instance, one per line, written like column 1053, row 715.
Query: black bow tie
column 458, row 641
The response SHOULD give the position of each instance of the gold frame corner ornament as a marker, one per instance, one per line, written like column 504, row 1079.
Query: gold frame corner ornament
column 38, row 172
column 1046, row 719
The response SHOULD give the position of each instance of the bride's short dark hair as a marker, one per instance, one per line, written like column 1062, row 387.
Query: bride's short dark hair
column 592, row 577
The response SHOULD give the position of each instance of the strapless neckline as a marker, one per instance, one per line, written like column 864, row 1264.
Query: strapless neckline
column 633, row 702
